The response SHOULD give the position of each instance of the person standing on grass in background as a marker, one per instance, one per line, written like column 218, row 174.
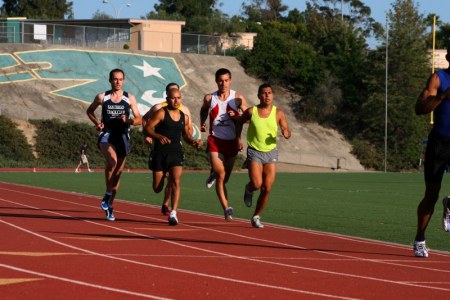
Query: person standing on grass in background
column 262, row 152
column 166, row 127
column 83, row 159
column 167, row 191
column 222, row 107
column 435, row 97
column 114, row 138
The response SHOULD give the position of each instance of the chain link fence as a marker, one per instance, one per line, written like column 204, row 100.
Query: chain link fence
column 111, row 38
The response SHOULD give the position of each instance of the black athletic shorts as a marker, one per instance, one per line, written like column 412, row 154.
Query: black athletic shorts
column 437, row 157
column 120, row 143
column 164, row 161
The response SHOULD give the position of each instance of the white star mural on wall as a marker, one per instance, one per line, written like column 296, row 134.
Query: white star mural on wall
column 149, row 70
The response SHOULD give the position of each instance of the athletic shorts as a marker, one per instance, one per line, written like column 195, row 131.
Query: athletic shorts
column 228, row 148
column 270, row 157
column 83, row 159
column 437, row 157
column 164, row 161
column 120, row 143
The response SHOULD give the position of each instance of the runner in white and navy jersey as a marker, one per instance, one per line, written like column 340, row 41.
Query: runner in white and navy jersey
column 114, row 128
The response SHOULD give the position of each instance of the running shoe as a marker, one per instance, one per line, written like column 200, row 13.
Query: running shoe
column 248, row 197
column 77, row 171
column 110, row 214
column 173, row 218
column 446, row 214
column 256, row 222
column 420, row 249
column 211, row 179
column 105, row 204
column 165, row 210
column 228, row 212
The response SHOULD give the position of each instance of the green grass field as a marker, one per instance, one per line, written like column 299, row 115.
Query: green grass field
column 379, row 206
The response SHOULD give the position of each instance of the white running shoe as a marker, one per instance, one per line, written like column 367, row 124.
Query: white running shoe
column 228, row 212
column 76, row 171
column 420, row 249
column 211, row 179
column 446, row 214
column 110, row 215
column 90, row 170
column 173, row 220
column 256, row 222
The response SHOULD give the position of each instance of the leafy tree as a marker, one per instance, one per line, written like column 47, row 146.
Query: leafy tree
column 263, row 10
column 13, row 144
column 340, row 41
column 199, row 13
column 408, row 65
column 38, row 9
column 101, row 15
column 187, row 8
column 277, row 57
column 408, row 70
column 443, row 36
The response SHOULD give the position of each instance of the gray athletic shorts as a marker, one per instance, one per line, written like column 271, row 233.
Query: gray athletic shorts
column 263, row 158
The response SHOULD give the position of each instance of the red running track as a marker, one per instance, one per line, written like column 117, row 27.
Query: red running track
column 57, row 245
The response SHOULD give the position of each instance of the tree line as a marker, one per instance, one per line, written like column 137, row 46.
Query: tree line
column 323, row 56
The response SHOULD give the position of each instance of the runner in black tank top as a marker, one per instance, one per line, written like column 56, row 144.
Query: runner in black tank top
column 172, row 130
column 166, row 128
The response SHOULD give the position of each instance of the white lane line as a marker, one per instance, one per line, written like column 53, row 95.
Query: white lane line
column 256, row 239
column 214, row 252
column 154, row 266
column 83, row 283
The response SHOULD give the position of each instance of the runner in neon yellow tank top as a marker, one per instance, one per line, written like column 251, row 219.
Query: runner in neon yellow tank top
column 262, row 152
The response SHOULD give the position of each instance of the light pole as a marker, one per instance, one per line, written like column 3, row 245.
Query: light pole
column 116, row 11
column 386, row 95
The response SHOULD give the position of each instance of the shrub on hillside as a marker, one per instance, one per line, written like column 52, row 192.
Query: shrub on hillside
column 58, row 144
column 13, row 145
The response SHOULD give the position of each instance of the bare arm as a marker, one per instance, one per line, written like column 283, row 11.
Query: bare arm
column 429, row 99
column 187, row 112
column 98, row 100
column 152, row 123
column 204, row 110
column 242, row 105
column 147, row 116
column 246, row 116
column 187, row 135
column 281, row 119
column 137, row 119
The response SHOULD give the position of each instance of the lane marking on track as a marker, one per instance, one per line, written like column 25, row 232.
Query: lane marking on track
column 8, row 281
column 83, row 283
column 218, row 253
column 144, row 264
column 102, row 239
column 34, row 254
column 165, row 229
column 284, row 227
column 327, row 235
